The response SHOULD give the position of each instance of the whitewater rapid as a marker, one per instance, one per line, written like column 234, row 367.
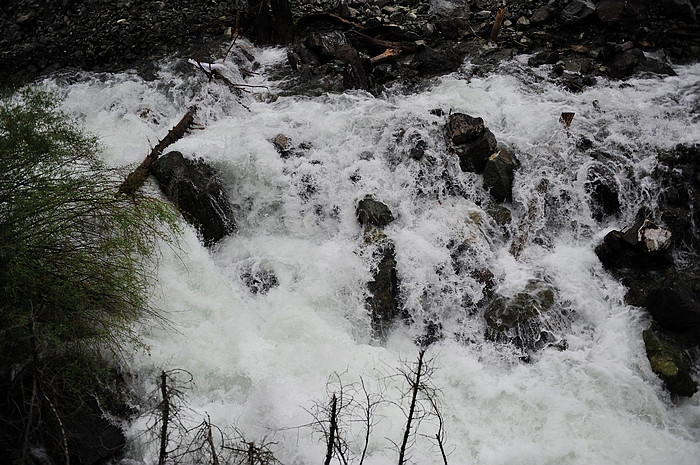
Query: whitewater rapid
column 260, row 362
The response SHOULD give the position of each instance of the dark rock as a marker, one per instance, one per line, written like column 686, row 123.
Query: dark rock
column 625, row 63
column 603, row 195
column 641, row 247
column 325, row 45
column 498, row 175
column 472, row 142
column 517, row 320
column 669, row 361
column 383, row 290
column 679, row 9
column 431, row 61
column 542, row 14
column 618, row 12
column 373, row 212
column 463, row 128
column 418, row 147
column 544, row 58
column 577, row 11
column 195, row 190
column 675, row 306
column 357, row 69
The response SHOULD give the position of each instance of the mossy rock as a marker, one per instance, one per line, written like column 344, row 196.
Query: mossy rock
column 669, row 361
column 517, row 319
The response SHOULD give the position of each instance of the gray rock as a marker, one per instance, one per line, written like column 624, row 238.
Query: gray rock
column 373, row 212
column 577, row 11
column 498, row 175
column 473, row 143
column 193, row 187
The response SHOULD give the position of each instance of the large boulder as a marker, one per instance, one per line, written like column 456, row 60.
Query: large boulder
column 471, row 140
column 194, row 188
column 670, row 362
column 518, row 319
column 642, row 247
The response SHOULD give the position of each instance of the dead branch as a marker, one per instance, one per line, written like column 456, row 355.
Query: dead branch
column 165, row 409
column 388, row 53
column 365, row 42
column 415, row 383
column 136, row 178
column 236, row 34
column 333, row 428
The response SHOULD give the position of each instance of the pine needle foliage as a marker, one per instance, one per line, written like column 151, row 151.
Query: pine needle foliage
column 76, row 262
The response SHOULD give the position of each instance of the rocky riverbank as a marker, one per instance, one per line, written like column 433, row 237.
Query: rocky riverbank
column 581, row 38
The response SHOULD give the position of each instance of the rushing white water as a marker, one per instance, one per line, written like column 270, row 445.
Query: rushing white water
column 260, row 362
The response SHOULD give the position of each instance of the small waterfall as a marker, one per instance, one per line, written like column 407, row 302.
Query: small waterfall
column 264, row 319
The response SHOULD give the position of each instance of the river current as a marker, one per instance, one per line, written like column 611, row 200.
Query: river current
column 263, row 362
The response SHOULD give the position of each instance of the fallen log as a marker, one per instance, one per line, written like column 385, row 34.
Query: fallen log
column 136, row 178
column 365, row 42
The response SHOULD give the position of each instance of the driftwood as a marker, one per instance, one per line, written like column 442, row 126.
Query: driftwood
column 388, row 53
column 365, row 42
column 136, row 178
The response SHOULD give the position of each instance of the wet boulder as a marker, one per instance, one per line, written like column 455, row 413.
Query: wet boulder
column 642, row 246
column 194, row 188
column 374, row 213
column 498, row 175
column 619, row 13
column 471, row 140
column 674, row 304
column 383, row 298
column 519, row 319
column 603, row 195
column 670, row 362
column 577, row 11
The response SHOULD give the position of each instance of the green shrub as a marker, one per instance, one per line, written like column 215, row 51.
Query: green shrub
column 76, row 263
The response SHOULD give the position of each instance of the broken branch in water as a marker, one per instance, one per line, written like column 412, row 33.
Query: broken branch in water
column 136, row 178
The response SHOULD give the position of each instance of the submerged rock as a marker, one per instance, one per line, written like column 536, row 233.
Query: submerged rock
column 193, row 187
column 603, row 195
column 259, row 280
column 518, row 319
column 383, row 290
column 669, row 361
